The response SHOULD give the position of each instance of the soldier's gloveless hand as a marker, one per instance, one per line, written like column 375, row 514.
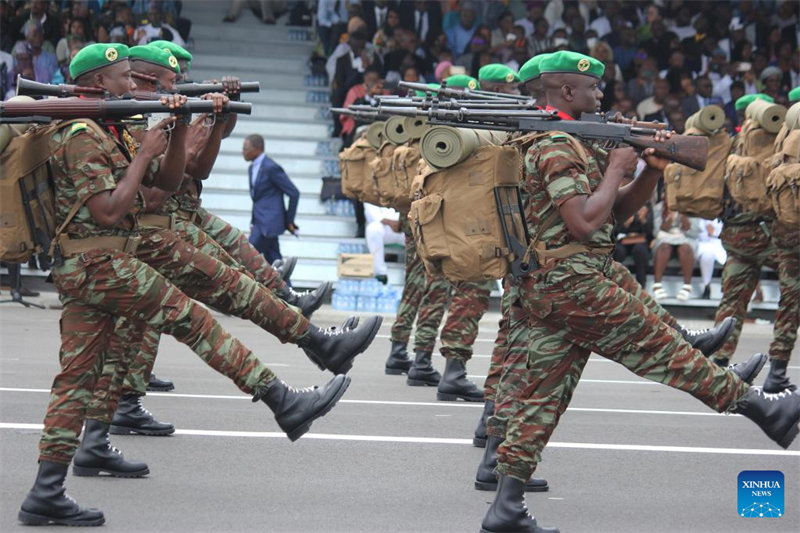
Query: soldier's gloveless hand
column 623, row 158
column 154, row 141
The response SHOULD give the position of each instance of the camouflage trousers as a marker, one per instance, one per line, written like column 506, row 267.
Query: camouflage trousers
column 233, row 241
column 787, row 317
column 574, row 309
column 749, row 249
column 96, row 288
column 205, row 279
column 413, row 292
column 510, row 348
column 468, row 303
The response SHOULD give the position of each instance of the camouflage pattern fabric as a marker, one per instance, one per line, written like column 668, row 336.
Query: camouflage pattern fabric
column 95, row 288
column 236, row 244
column 413, row 291
column 749, row 249
column 468, row 302
column 500, row 343
column 574, row 308
column 787, row 317
column 431, row 311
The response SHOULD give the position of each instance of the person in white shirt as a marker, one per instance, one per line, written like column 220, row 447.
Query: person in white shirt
column 383, row 227
column 154, row 29
column 709, row 250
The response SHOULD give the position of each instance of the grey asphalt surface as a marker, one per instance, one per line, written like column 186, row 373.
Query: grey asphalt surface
column 366, row 467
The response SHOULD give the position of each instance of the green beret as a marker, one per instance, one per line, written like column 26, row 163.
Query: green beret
column 156, row 56
column 175, row 49
column 742, row 103
column 530, row 70
column 462, row 81
column 497, row 73
column 434, row 85
column 96, row 56
column 571, row 63
column 794, row 94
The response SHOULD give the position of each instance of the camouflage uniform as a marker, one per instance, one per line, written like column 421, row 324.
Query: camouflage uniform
column 469, row 301
column 787, row 317
column 575, row 307
column 413, row 289
column 99, row 285
column 431, row 311
column 749, row 248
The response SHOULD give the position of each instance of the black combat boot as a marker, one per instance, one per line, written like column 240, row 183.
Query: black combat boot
column 97, row 455
column 777, row 380
column 485, row 479
column 285, row 267
column 398, row 361
column 334, row 349
column 708, row 341
column 508, row 512
column 159, row 385
column 131, row 418
column 296, row 409
column 454, row 383
column 479, row 439
column 422, row 372
column 776, row 414
column 307, row 301
column 748, row 370
column 47, row 502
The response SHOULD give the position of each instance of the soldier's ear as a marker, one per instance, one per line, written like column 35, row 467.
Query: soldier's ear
column 567, row 93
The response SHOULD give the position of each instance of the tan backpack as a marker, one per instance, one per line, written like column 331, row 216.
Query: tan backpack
column 354, row 164
column 397, row 193
column 380, row 176
column 455, row 219
column 783, row 181
column 747, row 167
column 27, row 197
column 698, row 193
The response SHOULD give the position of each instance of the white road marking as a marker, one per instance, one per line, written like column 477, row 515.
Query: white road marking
column 469, row 405
column 434, row 440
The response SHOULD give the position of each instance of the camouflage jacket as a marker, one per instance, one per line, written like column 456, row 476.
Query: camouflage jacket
column 84, row 164
column 554, row 173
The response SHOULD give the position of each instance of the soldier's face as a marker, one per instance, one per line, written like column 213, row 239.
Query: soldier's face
column 166, row 79
column 586, row 95
column 116, row 78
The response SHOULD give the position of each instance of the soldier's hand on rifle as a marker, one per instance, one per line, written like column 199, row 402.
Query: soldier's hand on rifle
column 155, row 141
column 174, row 101
column 231, row 86
column 623, row 158
column 218, row 99
column 648, row 154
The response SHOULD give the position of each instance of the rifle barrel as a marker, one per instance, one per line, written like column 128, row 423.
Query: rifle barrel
column 65, row 108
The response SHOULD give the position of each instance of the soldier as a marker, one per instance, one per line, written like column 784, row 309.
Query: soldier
column 750, row 245
column 510, row 356
column 97, row 181
column 183, row 56
column 574, row 307
column 498, row 78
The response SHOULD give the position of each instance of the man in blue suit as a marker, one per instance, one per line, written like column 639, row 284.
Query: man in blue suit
column 268, row 184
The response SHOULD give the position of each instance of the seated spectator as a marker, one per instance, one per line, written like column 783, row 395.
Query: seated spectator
column 350, row 68
column 45, row 64
column 676, row 120
column 7, row 86
column 266, row 10
column 652, row 108
column 48, row 23
column 528, row 23
column 503, row 37
column 641, row 86
column 627, row 48
column 603, row 52
column 342, row 48
column 633, row 239
column 73, row 40
column 156, row 29
column 709, row 251
column 675, row 234
column 771, row 81
column 737, row 91
column 404, row 54
column 383, row 227
column 422, row 18
column 331, row 23
column 478, row 44
column 387, row 31
column 683, row 24
column 442, row 71
column 703, row 96
column 539, row 42
column 363, row 93
column 520, row 54
column 459, row 36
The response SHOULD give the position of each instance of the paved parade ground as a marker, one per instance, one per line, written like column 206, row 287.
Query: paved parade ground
column 629, row 455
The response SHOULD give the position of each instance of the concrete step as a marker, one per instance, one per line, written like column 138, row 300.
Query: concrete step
column 276, row 146
column 291, row 165
column 232, row 200
column 237, row 181
column 310, row 225
column 295, row 129
column 272, row 80
column 251, row 63
column 270, row 95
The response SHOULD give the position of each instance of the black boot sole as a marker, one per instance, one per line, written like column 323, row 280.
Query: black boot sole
column 421, row 383
column 786, row 440
column 33, row 519
column 87, row 471
column 151, row 388
column 789, row 387
column 347, row 364
column 125, row 430
column 479, row 442
column 449, row 397
column 396, row 371
column 492, row 487
column 322, row 411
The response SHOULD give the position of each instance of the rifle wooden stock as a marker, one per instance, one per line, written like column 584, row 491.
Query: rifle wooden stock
column 689, row 150
column 96, row 108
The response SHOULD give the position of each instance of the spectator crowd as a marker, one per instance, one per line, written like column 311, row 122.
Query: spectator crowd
column 39, row 38
column 664, row 61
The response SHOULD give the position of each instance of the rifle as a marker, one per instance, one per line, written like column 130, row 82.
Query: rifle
column 461, row 93
column 33, row 88
column 689, row 150
column 97, row 108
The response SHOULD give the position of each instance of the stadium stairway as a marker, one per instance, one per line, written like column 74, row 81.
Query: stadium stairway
column 291, row 113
